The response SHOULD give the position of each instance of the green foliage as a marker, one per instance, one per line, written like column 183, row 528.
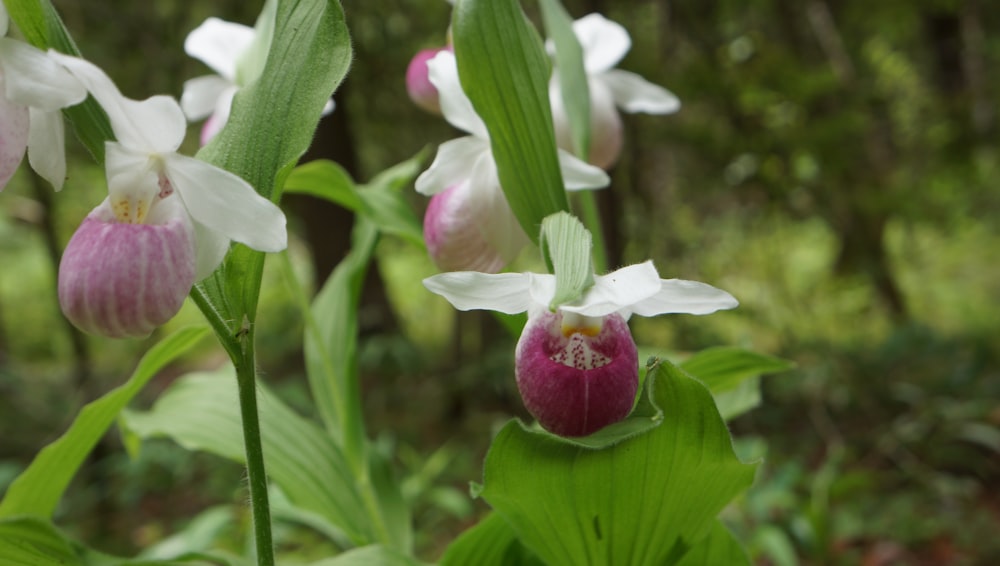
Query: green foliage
column 271, row 125
column 645, row 500
column 505, row 73
column 491, row 542
column 733, row 376
column 37, row 491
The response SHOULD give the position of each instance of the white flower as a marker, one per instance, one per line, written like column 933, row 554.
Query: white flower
column 224, row 47
column 33, row 91
column 604, row 44
column 144, row 168
column 477, row 216
column 577, row 366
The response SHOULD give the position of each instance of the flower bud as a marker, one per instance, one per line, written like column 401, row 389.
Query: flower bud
column 418, row 84
column 124, row 280
column 577, row 374
column 13, row 136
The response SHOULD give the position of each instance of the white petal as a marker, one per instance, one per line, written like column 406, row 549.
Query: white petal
column 690, row 297
column 210, row 249
column 227, row 204
column 604, row 42
column 219, row 44
column 618, row 291
column 47, row 146
column 154, row 125
column 633, row 93
column 454, row 163
column 35, row 79
column 579, row 175
column 468, row 290
column 201, row 94
column 455, row 105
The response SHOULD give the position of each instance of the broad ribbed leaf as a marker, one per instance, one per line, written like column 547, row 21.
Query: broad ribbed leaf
column 723, row 368
column 381, row 200
column 28, row 541
column 370, row 556
column 491, row 542
column 201, row 412
column 271, row 125
column 719, row 547
column 39, row 488
column 643, row 501
column 505, row 73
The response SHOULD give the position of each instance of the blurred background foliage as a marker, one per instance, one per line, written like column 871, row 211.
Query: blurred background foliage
column 834, row 166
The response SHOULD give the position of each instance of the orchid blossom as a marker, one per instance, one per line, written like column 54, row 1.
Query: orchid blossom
column 225, row 48
column 33, row 90
column 576, row 365
column 167, row 221
column 468, row 224
column 604, row 44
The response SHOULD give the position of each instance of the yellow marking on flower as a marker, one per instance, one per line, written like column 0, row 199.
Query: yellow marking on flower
column 590, row 329
column 130, row 211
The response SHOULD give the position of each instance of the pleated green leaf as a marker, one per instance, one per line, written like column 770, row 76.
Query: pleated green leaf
column 723, row 368
column 646, row 500
column 38, row 489
column 505, row 72
column 491, row 542
column 201, row 412
column 719, row 547
column 272, row 124
column 374, row 555
column 29, row 541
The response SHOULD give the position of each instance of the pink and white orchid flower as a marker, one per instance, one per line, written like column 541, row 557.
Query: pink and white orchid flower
column 604, row 44
column 468, row 224
column 33, row 91
column 577, row 367
column 225, row 47
column 167, row 221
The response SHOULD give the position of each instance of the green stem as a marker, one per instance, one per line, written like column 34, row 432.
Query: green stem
column 587, row 202
column 246, row 375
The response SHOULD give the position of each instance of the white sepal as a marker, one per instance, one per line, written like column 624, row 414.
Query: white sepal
column 210, row 249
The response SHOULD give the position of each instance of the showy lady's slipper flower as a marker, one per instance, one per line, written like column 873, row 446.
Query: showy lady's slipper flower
column 468, row 224
column 167, row 221
column 604, row 44
column 576, row 366
column 227, row 48
column 33, row 90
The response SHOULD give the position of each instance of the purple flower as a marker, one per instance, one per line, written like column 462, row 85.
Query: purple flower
column 422, row 91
